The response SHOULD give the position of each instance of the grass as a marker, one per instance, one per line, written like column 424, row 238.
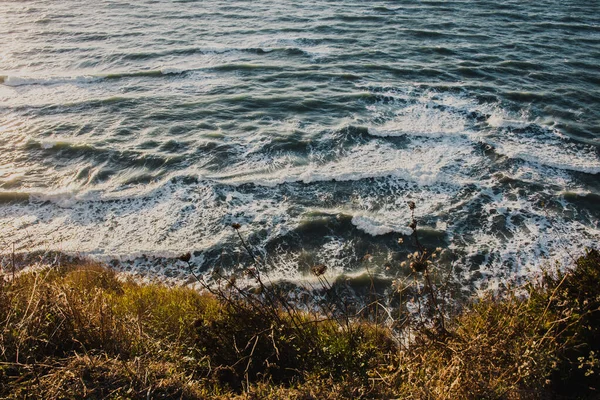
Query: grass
column 77, row 330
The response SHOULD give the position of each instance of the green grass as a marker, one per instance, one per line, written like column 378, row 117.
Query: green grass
column 78, row 331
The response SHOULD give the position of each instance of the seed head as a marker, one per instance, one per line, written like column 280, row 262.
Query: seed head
column 236, row 226
column 231, row 282
column 186, row 257
column 318, row 270
column 412, row 205
column 418, row 266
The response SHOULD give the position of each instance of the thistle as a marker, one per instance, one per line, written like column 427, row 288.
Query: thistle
column 185, row 257
column 318, row 270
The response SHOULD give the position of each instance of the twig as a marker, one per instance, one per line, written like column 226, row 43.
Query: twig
column 14, row 266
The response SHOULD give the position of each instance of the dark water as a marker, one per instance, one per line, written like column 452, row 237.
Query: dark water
column 138, row 131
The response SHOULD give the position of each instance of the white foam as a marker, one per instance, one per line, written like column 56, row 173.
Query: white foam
column 375, row 228
column 33, row 80
column 47, row 144
column 519, row 236
column 439, row 165
column 422, row 119
column 556, row 154
column 499, row 120
column 294, row 42
column 63, row 198
column 172, row 70
column 423, row 163
column 520, row 137
column 49, row 80
column 171, row 220
column 436, row 115
column 427, row 114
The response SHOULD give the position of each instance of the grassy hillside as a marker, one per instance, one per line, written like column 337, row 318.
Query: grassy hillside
column 77, row 331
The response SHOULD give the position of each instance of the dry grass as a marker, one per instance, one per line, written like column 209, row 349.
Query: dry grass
column 76, row 331
column 515, row 347
column 494, row 350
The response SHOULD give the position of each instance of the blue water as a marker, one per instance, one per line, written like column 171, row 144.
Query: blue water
column 137, row 131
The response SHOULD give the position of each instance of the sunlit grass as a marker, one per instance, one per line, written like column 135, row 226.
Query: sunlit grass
column 78, row 330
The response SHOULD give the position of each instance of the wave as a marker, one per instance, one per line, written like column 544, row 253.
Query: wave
column 246, row 67
column 13, row 197
column 145, row 74
column 27, row 81
column 291, row 47
column 376, row 228
column 147, row 224
column 437, row 116
column 531, row 142
column 572, row 158
column 424, row 165
column 15, row 81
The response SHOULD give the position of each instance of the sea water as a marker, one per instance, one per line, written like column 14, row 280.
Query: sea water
column 135, row 131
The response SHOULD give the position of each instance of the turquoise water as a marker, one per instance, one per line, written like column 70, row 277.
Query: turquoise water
column 137, row 131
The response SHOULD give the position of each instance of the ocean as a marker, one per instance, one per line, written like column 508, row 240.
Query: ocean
column 133, row 132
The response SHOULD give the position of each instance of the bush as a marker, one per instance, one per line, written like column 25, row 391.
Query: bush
column 253, row 343
column 575, row 308
column 536, row 346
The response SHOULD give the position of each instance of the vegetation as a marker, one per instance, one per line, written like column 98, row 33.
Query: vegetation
column 78, row 330
column 541, row 344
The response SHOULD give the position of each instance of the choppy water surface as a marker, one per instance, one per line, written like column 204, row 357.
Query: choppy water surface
column 138, row 131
